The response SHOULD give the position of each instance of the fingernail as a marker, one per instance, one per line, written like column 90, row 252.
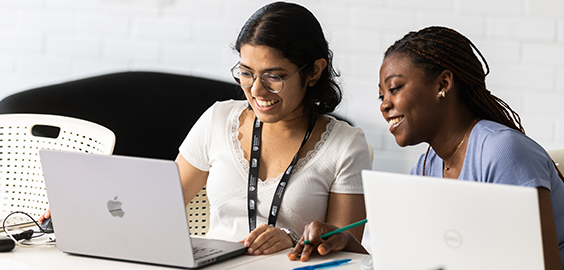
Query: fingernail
column 250, row 250
column 322, row 249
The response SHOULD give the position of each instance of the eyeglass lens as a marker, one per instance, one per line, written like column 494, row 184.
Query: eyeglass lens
column 246, row 78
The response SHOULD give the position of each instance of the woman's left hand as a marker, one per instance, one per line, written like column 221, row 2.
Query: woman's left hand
column 266, row 239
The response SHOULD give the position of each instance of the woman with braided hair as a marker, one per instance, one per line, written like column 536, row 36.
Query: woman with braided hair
column 432, row 87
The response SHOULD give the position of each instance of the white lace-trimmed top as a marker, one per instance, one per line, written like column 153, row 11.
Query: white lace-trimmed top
column 333, row 165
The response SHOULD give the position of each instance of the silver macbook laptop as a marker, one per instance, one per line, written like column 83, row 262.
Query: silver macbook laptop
column 425, row 223
column 124, row 208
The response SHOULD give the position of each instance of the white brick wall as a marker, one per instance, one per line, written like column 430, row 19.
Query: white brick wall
column 501, row 7
column 524, row 28
column 49, row 41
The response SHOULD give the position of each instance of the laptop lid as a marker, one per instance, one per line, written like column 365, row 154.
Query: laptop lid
column 120, row 207
column 428, row 223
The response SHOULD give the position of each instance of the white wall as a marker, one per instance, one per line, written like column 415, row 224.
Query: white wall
column 49, row 41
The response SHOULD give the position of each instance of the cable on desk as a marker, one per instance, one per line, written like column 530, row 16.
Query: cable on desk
column 26, row 235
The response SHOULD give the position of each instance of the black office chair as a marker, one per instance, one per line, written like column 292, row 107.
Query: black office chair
column 149, row 112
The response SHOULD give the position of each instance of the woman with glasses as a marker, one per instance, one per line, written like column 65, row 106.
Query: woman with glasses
column 276, row 162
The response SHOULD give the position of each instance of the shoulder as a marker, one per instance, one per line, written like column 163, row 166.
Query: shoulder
column 487, row 126
column 347, row 142
column 342, row 128
column 229, row 105
column 342, row 135
column 506, row 155
column 222, row 109
column 494, row 137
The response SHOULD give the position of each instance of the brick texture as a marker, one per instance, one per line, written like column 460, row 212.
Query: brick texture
column 50, row 41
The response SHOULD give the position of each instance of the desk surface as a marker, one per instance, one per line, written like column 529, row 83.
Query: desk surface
column 47, row 258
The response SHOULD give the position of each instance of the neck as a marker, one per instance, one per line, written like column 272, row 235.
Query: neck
column 451, row 137
column 286, row 128
column 295, row 122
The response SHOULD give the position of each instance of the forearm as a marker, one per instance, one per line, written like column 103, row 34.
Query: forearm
column 548, row 229
column 345, row 209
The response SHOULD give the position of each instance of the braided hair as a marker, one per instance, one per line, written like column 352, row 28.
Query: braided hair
column 436, row 49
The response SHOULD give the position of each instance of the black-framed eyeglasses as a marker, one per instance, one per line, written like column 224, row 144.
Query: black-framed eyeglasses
column 271, row 82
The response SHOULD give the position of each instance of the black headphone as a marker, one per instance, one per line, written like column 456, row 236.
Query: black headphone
column 7, row 244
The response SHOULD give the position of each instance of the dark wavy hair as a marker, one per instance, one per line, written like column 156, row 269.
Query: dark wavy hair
column 294, row 31
column 435, row 49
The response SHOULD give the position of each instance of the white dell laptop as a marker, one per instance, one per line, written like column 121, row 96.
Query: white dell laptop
column 124, row 208
column 425, row 223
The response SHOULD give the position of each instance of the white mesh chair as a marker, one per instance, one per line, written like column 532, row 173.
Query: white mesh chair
column 21, row 138
column 198, row 210
column 558, row 158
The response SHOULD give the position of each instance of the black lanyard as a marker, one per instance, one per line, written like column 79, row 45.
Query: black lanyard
column 253, row 177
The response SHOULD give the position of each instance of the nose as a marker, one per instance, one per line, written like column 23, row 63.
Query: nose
column 386, row 105
column 258, row 89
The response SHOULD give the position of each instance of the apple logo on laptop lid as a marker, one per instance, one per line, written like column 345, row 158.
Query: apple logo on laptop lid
column 114, row 206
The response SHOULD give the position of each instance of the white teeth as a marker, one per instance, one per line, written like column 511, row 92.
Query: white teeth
column 267, row 103
column 395, row 121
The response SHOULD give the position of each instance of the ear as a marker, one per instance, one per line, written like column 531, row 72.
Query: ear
column 318, row 66
column 445, row 82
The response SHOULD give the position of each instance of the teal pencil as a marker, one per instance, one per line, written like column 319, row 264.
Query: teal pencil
column 325, row 235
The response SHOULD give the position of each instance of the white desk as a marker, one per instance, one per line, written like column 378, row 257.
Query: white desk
column 50, row 258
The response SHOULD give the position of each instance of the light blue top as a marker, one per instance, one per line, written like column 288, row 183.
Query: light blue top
column 499, row 154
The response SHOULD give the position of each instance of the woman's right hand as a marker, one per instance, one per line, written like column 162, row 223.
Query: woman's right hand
column 313, row 232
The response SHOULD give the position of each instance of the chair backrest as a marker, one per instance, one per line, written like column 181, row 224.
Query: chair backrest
column 558, row 158
column 198, row 210
column 21, row 137
column 150, row 113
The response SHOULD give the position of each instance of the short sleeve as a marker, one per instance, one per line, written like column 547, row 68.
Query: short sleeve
column 509, row 157
column 354, row 158
column 195, row 148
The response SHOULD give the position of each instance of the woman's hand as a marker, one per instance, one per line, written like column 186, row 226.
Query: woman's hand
column 313, row 231
column 44, row 216
column 266, row 239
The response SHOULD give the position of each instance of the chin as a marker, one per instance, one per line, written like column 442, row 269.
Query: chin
column 267, row 118
column 401, row 142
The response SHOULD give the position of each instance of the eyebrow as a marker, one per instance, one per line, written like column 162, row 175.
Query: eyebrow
column 390, row 77
column 266, row 70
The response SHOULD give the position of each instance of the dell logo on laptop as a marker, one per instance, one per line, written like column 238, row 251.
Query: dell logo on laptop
column 453, row 239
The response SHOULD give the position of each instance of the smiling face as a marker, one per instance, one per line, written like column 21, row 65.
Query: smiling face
column 409, row 101
column 267, row 106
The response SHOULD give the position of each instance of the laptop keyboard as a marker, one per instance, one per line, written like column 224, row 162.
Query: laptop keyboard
column 201, row 252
